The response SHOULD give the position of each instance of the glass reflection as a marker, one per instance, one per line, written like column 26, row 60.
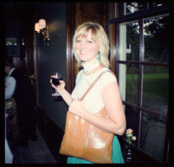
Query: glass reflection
column 132, row 84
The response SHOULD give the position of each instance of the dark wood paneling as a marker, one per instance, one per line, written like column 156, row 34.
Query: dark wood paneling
column 26, row 16
column 112, row 37
column 70, row 60
column 94, row 12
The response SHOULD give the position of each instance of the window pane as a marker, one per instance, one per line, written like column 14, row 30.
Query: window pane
column 132, row 7
column 129, row 41
column 132, row 84
column 156, row 88
column 156, row 39
column 131, row 120
column 155, row 4
column 152, row 138
column 128, row 82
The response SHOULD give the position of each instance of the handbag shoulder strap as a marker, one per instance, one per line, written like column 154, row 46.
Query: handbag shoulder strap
column 91, row 86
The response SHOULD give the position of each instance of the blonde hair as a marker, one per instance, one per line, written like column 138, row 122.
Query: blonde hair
column 98, row 35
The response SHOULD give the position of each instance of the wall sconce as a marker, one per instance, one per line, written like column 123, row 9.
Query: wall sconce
column 41, row 28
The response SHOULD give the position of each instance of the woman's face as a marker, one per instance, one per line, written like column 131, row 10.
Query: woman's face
column 86, row 48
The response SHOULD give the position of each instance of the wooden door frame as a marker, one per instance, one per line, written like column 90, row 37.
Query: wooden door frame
column 70, row 61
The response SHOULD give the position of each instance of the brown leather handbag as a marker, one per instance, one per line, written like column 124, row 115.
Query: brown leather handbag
column 83, row 140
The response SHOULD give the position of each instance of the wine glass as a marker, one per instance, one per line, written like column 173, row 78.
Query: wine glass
column 56, row 82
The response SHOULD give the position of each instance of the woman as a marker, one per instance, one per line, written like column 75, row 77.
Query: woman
column 91, row 49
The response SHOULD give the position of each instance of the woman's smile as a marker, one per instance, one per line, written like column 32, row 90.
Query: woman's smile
column 83, row 52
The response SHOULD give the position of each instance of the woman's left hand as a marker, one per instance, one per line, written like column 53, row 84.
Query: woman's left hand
column 77, row 107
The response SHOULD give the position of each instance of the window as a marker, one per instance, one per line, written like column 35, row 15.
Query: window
column 132, row 7
column 141, row 42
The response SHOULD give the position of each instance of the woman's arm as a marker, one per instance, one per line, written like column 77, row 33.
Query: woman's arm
column 116, row 123
column 65, row 94
column 114, row 107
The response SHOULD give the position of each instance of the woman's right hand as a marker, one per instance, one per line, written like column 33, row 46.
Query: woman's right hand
column 60, row 87
column 63, row 92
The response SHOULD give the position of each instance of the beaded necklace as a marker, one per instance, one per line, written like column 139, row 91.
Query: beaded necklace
column 89, row 66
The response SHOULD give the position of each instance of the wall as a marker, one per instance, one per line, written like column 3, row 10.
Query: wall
column 51, row 58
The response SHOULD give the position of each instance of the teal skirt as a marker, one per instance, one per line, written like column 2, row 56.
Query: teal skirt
column 117, row 156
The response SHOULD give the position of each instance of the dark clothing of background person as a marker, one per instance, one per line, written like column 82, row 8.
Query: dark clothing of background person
column 25, row 102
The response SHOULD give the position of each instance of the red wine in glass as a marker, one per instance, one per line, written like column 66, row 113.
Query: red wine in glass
column 55, row 81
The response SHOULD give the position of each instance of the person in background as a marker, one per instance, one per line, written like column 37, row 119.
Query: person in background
column 9, row 91
column 91, row 50
column 25, row 104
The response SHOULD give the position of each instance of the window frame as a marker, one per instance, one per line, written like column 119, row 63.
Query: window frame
column 140, row 16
